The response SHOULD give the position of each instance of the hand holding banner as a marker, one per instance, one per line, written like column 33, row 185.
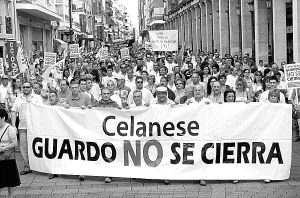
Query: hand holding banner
column 218, row 142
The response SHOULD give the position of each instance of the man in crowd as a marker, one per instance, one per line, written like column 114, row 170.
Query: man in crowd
column 146, row 93
column 198, row 96
column 273, row 82
column 19, row 107
column 4, row 87
column 216, row 95
column 77, row 99
column 64, row 92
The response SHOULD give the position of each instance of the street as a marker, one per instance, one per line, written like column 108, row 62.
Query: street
column 38, row 185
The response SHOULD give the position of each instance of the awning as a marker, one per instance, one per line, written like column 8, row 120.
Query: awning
column 38, row 11
column 156, row 22
column 61, row 42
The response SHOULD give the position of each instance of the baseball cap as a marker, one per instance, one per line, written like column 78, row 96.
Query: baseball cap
column 161, row 89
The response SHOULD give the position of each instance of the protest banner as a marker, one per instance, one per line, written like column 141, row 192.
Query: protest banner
column 12, row 65
column 74, row 50
column 49, row 59
column 22, row 60
column 55, row 69
column 218, row 142
column 1, row 66
column 125, row 53
column 164, row 40
column 292, row 75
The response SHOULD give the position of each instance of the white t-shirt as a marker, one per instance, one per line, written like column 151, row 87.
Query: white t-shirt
column 20, row 107
column 146, row 94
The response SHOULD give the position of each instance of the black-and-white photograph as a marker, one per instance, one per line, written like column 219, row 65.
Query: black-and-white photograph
column 150, row 98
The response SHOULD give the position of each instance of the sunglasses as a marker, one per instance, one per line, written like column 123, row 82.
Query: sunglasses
column 26, row 87
column 139, row 82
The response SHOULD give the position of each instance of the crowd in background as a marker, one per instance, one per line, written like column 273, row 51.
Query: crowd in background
column 143, row 79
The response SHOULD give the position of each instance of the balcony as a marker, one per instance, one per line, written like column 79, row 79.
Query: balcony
column 38, row 8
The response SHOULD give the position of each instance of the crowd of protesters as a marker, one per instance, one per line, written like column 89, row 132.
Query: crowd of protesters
column 143, row 79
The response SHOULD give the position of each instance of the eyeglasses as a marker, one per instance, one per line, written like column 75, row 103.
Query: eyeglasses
column 26, row 87
column 139, row 82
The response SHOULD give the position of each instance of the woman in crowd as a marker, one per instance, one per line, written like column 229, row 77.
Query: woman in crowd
column 66, row 74
column 9, row 175
column 206, row 73
column 13, row 92
column 211, row 81
column 151, row 84
column 229, row 95
column 246, row 74
column 258, row 82
column 222, row 80
column 171, row 83
column 215, row 70
column 179, row 75
column 242, row 95
column 180, row 91
column 96, row 77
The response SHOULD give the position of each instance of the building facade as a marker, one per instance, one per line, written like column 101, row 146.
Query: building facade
column 34, row 23
column 267, row 30
column 8, row 29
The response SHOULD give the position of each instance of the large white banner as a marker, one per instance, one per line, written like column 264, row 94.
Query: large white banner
column 164, row 40
column 215, row 141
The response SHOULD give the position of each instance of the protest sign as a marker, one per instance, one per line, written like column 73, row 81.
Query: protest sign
column 74, row 50
column 186, row 142
column 124, row 53
column 12, row 65
column 164, row 40
column 103, row 53
column 54, row 69
column 49, row 59
column 1, row 66
column 292, row 75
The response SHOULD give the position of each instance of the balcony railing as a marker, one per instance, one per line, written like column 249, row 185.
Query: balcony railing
column 48, row 4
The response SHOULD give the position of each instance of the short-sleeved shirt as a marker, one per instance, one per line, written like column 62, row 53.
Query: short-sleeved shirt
column 78, row 101
column 20, row 107
column 62, row 96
